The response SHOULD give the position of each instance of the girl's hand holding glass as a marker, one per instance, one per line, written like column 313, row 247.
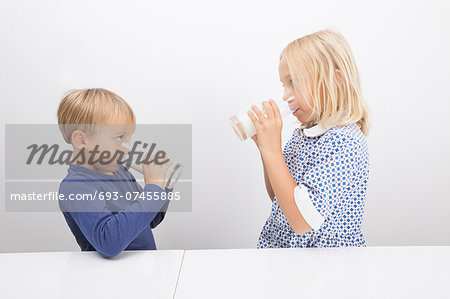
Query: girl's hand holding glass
column 268, row 127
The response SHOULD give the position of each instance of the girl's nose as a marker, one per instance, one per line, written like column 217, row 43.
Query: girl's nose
column 287, row 96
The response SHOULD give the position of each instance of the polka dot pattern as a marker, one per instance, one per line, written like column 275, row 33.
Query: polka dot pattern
column 334, row 167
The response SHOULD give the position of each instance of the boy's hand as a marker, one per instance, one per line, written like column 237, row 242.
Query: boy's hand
column 268, row 128
column 156, row 174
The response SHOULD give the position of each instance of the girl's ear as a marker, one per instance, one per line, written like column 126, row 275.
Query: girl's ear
column 78, row 139
column 339, row 75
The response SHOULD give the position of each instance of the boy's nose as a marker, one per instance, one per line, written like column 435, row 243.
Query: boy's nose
column 126, row 147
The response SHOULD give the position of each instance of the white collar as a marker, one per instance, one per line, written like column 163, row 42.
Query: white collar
column 314, row 131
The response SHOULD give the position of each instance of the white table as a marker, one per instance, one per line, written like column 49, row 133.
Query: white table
column 131, row 274
column 372, row 272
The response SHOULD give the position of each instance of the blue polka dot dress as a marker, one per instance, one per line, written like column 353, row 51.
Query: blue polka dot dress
column 332, row 168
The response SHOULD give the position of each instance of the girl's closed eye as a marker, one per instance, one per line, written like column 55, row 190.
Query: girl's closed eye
column 289, row 84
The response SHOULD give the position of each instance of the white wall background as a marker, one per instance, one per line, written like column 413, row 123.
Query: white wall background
column 198, row 62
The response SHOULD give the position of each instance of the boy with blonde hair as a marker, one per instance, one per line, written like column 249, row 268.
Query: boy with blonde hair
column 103, row 204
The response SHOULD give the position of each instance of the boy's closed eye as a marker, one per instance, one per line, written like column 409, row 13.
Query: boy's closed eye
column 120, row 138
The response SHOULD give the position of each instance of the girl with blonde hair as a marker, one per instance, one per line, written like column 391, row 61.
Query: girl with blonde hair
column 317, row 183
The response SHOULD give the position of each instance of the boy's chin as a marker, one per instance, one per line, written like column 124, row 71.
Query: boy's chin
column 117, row 165
column 111, row 167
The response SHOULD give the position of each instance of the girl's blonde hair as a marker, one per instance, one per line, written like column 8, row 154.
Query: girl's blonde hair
column 336, row 96
column 88, row 109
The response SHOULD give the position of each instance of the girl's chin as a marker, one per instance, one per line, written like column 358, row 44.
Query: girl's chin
column 298, row 115
column 301, row 117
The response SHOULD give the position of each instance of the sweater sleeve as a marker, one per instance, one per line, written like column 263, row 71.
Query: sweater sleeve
column 160, row 216
column 110, row 232
column 162, row 213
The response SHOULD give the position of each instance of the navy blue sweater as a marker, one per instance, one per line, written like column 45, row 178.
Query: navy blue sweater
column 110, row 226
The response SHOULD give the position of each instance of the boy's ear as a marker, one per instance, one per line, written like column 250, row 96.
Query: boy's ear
column 339, row 75
column 78, row 139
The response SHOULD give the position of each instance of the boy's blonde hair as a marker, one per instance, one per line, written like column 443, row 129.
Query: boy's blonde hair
column 85, row 109
column 312, row 61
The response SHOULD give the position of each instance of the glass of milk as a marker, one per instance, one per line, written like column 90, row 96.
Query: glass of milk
column 243, row 125
column 173, row 173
